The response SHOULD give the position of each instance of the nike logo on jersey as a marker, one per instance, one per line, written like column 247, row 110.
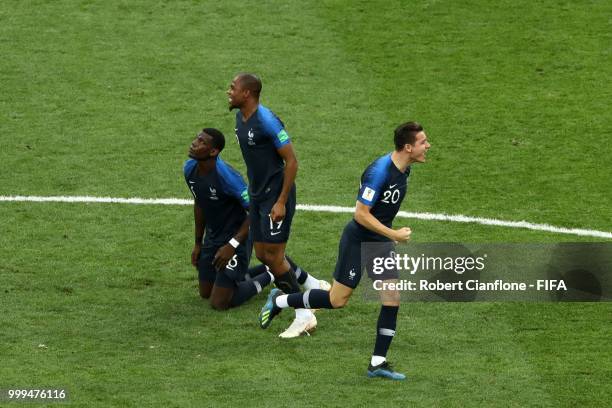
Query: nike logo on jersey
column 393, row 185
column 191, row 182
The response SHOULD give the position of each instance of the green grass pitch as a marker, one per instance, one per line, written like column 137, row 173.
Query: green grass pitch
column 102, row 98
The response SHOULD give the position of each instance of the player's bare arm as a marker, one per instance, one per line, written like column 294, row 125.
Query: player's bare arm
column 365, row 218
column 200, row 223
column 291, row 167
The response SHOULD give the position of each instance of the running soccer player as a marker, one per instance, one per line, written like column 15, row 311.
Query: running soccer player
column 221, row 202
column 382, row 190
column 271, row 168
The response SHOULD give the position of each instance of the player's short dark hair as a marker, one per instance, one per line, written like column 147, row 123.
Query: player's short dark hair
column 218, row 140
column 406, row 134
column 251, row 82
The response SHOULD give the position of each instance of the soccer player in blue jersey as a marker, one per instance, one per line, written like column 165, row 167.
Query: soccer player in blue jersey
column 382, row 190
column 271, row 169
column 222, row 249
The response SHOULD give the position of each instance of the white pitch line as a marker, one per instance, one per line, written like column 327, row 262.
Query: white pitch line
column 323, row 208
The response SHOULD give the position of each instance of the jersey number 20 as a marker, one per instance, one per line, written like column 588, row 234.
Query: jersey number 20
column 392, row 196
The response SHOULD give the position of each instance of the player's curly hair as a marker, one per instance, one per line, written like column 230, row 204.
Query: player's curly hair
column 218, row 140
column 406, row 134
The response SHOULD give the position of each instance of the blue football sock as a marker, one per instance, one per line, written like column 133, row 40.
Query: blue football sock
column 385, row 329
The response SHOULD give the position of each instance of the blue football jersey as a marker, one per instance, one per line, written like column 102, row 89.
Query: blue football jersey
column 383, row 188
column 223, row 197
column 259, row 138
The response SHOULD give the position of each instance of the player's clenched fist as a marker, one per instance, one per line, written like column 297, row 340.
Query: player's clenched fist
column 403, row 234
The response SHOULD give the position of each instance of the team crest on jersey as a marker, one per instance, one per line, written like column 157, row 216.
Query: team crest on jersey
column 368, row 194
column 213, row 193
column 251, row 142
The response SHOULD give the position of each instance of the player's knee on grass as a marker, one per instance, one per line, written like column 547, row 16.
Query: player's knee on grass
column 221, row 298
column 219, row 304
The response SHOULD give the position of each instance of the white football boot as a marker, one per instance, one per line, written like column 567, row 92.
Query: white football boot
column 324, row 285
column 300, row 326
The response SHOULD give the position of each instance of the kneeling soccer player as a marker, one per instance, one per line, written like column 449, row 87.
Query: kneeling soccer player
column 221, row 202
column 383, row 187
